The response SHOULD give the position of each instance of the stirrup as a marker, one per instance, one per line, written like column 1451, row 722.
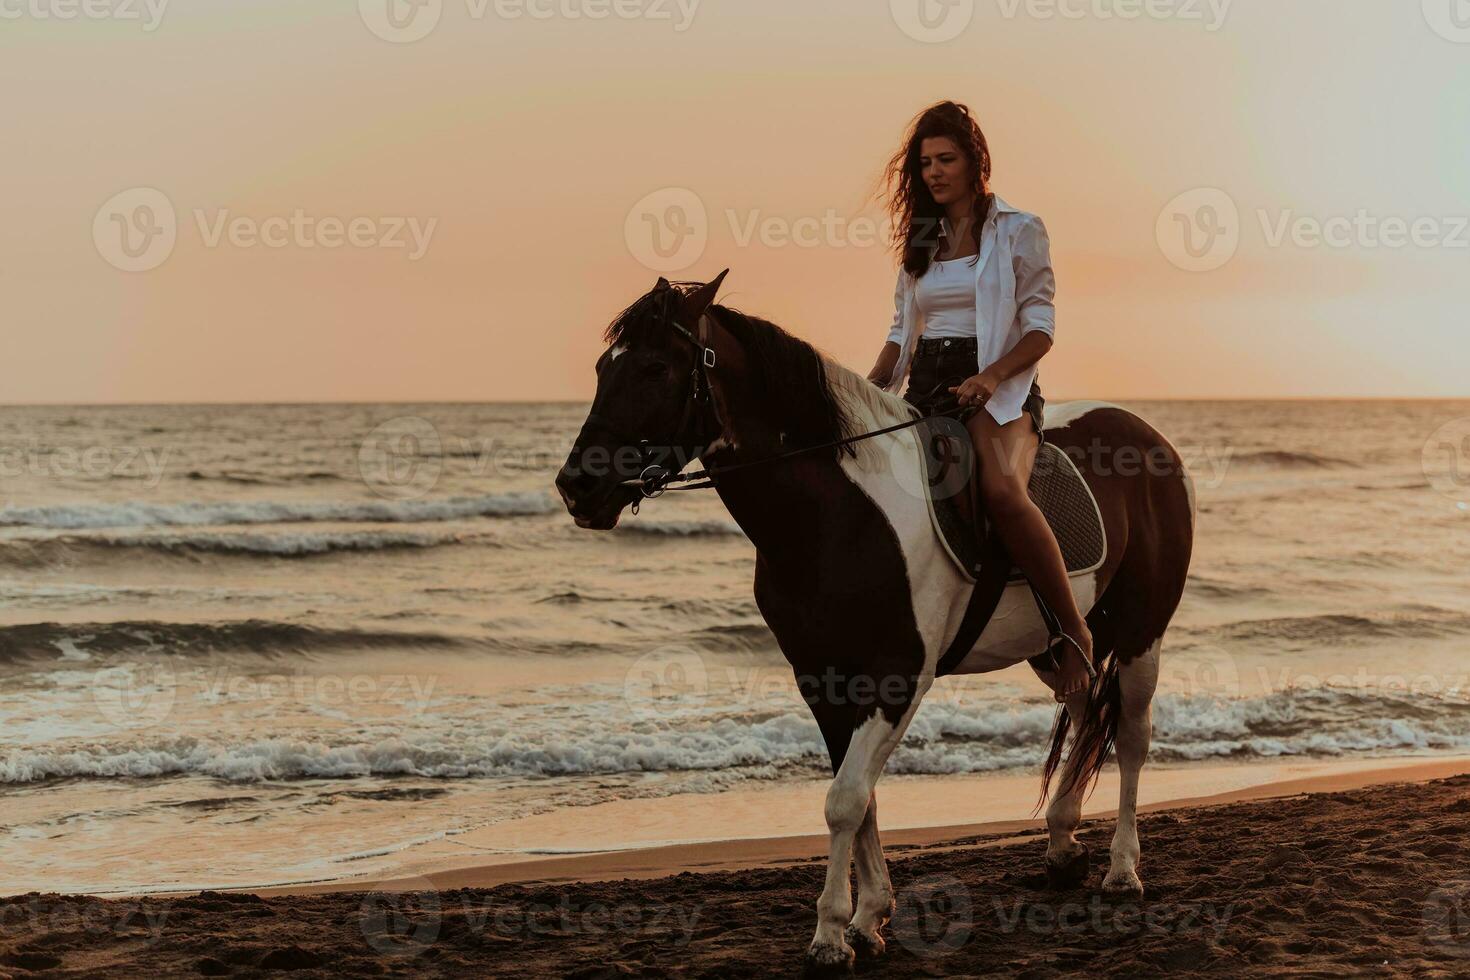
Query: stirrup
column 1086, row 661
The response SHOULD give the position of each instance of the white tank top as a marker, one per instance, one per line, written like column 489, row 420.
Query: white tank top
column 946, row 297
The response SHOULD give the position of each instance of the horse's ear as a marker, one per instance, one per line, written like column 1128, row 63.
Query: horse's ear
column 662, row 284
column 698, row 301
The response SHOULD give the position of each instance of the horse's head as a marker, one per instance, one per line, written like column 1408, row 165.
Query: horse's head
column 652, row 412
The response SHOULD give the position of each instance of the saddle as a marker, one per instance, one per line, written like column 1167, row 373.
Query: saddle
column 1057, row 488
column 951, row 489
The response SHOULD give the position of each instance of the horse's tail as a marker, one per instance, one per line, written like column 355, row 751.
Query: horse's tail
column 1093, row 742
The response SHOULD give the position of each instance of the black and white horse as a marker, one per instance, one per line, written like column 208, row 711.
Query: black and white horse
column 849, row 572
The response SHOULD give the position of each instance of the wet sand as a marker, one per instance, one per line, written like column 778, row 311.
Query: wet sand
column 1311, row 877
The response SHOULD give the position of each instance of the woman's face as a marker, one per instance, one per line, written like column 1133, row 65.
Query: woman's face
column 945, row 170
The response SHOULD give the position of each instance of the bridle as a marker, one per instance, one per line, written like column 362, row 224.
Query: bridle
column 654, row 479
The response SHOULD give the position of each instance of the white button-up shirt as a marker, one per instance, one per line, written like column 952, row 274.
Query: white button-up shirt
column 1014, row 292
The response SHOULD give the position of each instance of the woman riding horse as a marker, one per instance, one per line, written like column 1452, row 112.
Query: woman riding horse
column 949, row 288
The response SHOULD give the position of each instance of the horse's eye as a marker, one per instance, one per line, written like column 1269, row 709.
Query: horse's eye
column 656, row 369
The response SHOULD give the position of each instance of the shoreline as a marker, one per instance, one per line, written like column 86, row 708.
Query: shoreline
column 1300, row 877
column 447, row 865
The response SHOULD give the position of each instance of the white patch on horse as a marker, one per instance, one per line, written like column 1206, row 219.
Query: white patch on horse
column 882, row 470
column 1064, row 414
column 1016, row 630
column 617, row 352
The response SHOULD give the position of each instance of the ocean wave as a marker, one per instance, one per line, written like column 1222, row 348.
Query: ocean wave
column 137, row 514
column 1421, row 622
column 719, row 747
column 1281, row 459
column 59, row 550
column 279, row 545
column 1211, row 587
column 263, row 479
column 944, row 738
column 680, row 529
column 80, row 641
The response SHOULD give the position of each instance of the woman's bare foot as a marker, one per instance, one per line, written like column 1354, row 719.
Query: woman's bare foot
column 1073, row 677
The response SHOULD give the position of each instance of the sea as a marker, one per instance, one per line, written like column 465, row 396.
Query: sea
column 244, row 645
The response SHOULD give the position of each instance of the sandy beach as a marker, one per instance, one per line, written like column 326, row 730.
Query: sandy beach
column 1350, row 871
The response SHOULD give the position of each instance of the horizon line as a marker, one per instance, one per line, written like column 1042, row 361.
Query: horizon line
column 575, row 401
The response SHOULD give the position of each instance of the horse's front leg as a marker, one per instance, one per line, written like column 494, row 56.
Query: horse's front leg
column 875, row 903
column 848, row 803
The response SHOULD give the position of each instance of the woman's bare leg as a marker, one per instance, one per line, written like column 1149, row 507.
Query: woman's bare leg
column 1007, row 454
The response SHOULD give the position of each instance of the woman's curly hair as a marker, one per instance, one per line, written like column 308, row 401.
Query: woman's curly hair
column 915, row 215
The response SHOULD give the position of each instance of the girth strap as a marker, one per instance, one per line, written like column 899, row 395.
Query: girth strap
column 990, row 585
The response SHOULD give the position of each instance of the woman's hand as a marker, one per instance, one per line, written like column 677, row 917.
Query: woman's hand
column 977, row 390
column 882, row 372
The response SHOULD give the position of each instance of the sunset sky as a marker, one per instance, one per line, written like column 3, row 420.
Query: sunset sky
column 535, row 148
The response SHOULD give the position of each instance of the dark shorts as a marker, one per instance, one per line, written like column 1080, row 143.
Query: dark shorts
column 942, row 363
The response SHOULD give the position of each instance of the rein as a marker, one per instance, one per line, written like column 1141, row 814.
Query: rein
column 655, row 480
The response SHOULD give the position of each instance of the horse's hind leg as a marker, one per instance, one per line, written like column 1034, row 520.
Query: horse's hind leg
column 875, row 892
column 1066, row 857
column 1137, row 680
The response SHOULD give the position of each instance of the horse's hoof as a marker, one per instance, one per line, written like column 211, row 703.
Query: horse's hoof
column 1070, row 872
column 826, row 959
column 866, row 946
column 1122, row 884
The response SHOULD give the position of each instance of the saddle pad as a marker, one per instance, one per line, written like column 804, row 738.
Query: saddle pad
column 1056, row 487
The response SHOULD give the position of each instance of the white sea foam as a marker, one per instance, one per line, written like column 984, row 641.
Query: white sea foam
column 944, row 738
column 187, row 514
column 679, row 528
column 284, row 545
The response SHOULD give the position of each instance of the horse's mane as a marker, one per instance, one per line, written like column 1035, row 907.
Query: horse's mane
column 816, row 399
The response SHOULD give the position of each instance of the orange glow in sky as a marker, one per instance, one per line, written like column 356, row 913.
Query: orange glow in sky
column 278, row 201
